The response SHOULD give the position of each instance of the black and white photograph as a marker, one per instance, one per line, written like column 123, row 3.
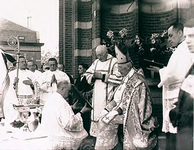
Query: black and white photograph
column 96, row 74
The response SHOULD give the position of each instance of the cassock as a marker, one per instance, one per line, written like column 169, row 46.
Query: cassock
column 182, row 116
column 171, row 78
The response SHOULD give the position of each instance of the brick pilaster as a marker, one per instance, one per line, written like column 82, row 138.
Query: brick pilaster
column 156, row 17
column 66, row 17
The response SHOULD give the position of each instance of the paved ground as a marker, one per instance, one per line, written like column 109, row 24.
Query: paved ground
column 88, row 143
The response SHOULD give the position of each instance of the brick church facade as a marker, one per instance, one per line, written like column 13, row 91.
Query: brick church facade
column 83, row 24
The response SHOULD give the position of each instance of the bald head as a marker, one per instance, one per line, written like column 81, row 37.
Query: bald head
column 63, row 84
column 101, row 52
column 101, row 49
column 63, row 88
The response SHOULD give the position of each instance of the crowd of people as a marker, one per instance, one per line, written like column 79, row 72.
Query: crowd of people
column 120, row 112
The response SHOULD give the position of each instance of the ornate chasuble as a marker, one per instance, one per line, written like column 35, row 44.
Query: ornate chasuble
column 138, row 121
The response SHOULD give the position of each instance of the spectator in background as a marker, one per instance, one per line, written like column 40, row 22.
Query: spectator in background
column 172, row 77
column 50, row 79
column 63, row 127
column 104, row 75
column 81, row 83
column 42, row 67
column 32, row 67
column 61, row 67
column 85, row 88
